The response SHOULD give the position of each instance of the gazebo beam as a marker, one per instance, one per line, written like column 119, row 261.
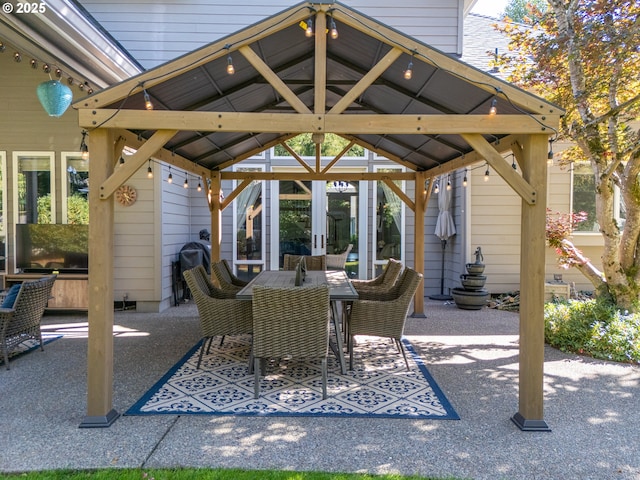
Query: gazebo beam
column 409, row 124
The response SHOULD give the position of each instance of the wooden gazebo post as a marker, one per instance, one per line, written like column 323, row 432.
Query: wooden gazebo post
column 532, row 269
column 100, row 412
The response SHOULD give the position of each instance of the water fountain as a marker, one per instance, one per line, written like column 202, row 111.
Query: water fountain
column 472, row 295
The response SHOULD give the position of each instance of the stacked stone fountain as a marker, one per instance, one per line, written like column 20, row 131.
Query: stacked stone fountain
column 472, row 295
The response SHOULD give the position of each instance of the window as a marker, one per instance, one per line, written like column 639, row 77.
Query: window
column 33, row 187
column 249, row 227
column 389, row 222
column 584, row 198
column 75, row 189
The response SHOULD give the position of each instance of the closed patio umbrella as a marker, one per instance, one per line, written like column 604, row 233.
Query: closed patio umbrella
column 445, row 228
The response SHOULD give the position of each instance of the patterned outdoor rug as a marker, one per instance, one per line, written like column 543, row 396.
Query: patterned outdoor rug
column 28, row 346
column 379, row 386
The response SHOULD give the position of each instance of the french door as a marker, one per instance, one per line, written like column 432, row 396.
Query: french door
column 316, row 218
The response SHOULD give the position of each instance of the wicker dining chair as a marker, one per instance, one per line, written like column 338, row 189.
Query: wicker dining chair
column 291, row 321
column 313, row 262
column 226, row 279
column 374, row 288
column 384, row 317
column 219, row 314
column 22, row 321
column 338, row 261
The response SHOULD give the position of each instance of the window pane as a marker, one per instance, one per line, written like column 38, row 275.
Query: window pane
column 34, row 190
column 584, row 196
column 388, row 221
column 77, row 176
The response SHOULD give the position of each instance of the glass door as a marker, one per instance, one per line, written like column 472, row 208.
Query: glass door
column 317, row 218
column 294, row 219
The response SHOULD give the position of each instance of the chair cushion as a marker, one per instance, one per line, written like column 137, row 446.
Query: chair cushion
column 12, row 294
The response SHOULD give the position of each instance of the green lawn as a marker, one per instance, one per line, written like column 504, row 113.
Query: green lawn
column 207, row 474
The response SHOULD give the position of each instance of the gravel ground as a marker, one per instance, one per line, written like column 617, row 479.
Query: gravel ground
column 591, row 406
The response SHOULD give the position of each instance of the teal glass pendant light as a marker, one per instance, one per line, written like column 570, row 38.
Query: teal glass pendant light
column 54, row 97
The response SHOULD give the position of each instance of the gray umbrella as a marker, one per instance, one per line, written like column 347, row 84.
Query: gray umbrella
column 445, row 227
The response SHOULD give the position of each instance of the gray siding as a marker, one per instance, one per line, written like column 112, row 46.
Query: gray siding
column 155, row 32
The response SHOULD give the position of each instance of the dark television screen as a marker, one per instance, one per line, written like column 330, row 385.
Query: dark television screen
column 52, row 247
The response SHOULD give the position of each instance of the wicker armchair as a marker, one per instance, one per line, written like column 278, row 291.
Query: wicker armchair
column 338, row 261
column 22, row 322
column 384, row 318
column 313, row 262
column 290, row 322
column 227, row 280
column 219, row 314
column 380, row 285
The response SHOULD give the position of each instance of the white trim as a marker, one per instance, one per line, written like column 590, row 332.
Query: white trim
column 403, row 239
column 234, row 248
column 52, row 180
column 3, row 217
column 64, row 192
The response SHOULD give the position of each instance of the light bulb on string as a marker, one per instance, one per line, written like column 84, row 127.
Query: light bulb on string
column 408, row 73
column 333, row 32
column 448, row 183
column 149, row 170
column 170, row 177
column 148, row 104
column 464, row 179
column 486, row 174
column 436, row 189
column 308, row 32
column 494, row 107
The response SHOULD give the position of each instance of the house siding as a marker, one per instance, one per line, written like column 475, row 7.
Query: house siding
column 155, row 32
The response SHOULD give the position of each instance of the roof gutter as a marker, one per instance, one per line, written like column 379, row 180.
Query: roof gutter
column 73, row 38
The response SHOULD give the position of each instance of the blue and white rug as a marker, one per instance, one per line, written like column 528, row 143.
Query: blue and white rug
column 379, row 386
column 28, row 346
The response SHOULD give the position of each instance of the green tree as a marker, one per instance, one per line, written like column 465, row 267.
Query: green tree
column 333, row 144
column 585, row 56
column 523, row 11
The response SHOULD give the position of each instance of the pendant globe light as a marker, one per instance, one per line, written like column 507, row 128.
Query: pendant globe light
column 54, row 97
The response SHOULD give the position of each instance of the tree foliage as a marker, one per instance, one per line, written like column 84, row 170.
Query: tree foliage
column 585, row 56
column 523, row 11
column 333, row 144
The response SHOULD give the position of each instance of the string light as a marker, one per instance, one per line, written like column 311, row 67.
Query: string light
column 148, row 104
column 308, row 32
column 199, row 187
column 333, row 32
column 186, row 182
column 230, row 68
column 47, row 67
column 84, row 149
column 436, row 189
column 408, row 73
column 494, row 107
column 464, row 179
column 149, row 170
column 486, row 174
column 448, row 183
column 170, row 177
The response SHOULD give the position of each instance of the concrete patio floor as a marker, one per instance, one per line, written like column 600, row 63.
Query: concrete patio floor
column 592, row 407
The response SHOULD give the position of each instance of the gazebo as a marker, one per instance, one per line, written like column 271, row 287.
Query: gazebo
column 318, row 68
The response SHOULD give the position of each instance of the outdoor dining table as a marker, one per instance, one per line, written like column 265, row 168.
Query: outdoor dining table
column 340, row 289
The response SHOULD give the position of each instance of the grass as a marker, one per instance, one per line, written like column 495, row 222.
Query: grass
column 200, row 474
column 594, row 328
